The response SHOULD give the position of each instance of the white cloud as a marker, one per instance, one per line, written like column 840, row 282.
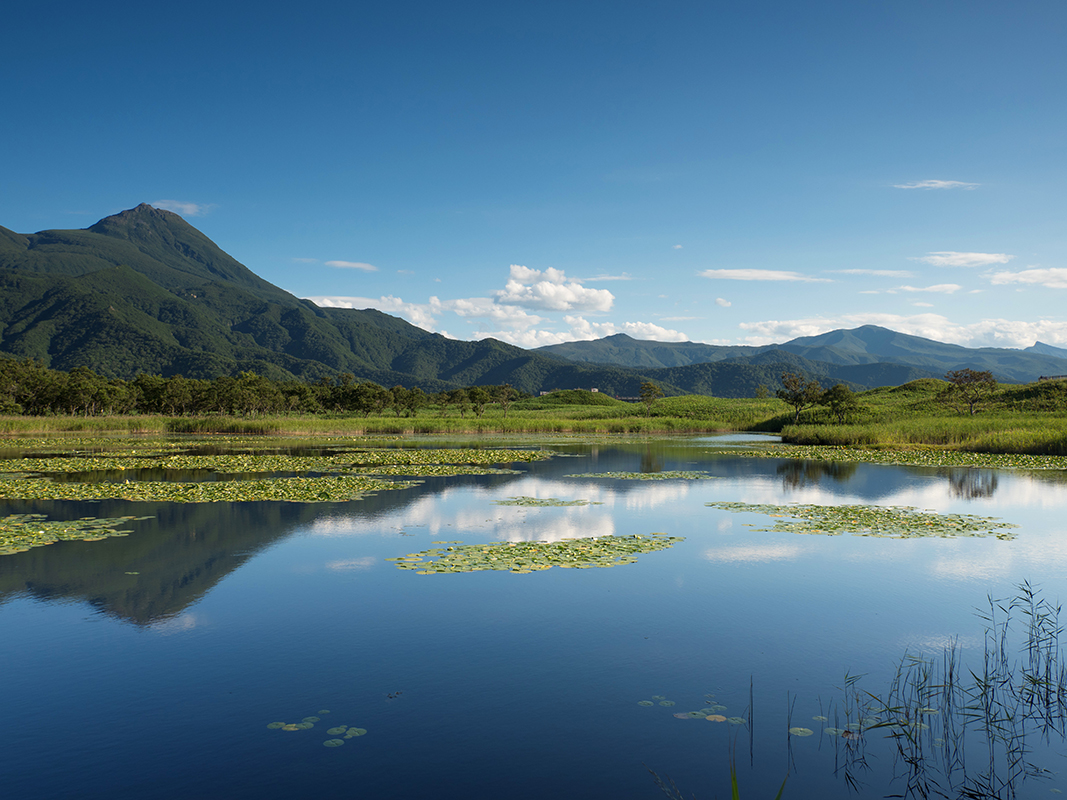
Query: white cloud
column 759, row 275
column 943, row 288
column 511, row 317
column 950, row 258
column 1054, row 278
column 985, row 333
column 754, row 553
column 352, row 563
column 352, row 265
column 420, row 314
column 936, row 184
column 582, row 329
column 624, row 277
column 305, row 260
column 880, row 273
column 550, row 289
column 185, row 209
column 920, row 304
column 676, row 247
column 723, row 302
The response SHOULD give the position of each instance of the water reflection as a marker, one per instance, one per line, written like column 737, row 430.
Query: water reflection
column 799, row 473
column 969, row 484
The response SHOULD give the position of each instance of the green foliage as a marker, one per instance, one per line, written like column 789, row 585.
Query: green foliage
column 799, row 392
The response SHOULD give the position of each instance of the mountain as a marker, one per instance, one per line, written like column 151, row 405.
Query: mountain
column 1046, row 350
column 144, row 291
column 866, row 345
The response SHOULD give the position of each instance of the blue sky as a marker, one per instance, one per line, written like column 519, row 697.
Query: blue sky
column 715, row 172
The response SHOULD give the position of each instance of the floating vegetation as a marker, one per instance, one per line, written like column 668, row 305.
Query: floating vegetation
column 333, row 742
column 667, row 475
column 645, row 703
column 342, row 476
column 275, row 725
column 666, row 702
column 355, row 732
column 525, row 557
column 801, row 731
column 20, row 532
column 309, row 722
column 338, row 730
column 916, row 458
column 820, row 718
column 736, row 720
column 546, row 502
column 715, row 718
column 332, row 489
column 894, row 522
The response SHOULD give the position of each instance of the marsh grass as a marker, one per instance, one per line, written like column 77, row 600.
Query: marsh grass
column 971, row 731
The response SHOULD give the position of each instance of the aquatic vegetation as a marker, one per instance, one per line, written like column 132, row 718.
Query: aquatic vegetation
column 544, row 502
column 920, row 457
column 666, row 475
column 796, row 731
column 20, row 532
column 645, row 703
column 524, row 557
column 715, row 718
column 895, row 522
column 333, row 489
column 333, row 742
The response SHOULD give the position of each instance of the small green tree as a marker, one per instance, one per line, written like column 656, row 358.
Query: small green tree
column 505, row 396
column 840, row 400
column 649, row 394
column 967, row 388
column 479, row 398
column 798, row 392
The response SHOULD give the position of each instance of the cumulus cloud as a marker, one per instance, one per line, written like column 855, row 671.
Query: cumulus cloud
column 950, row 258
column 550, row 289
column 183, row 208
column 352, row 265
column 581, row 329
column 936, row 184
column 759, row 275
column 723, row 302
column 420, row 314
column 985, row 333
column 508, row 316
column 1054, row 278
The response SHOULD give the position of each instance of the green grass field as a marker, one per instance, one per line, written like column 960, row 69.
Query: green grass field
column 1029, row 419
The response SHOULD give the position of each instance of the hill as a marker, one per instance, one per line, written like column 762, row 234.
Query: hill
column 866, row 345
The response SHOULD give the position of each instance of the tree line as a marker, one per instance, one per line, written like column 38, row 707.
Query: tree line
column 29, row 388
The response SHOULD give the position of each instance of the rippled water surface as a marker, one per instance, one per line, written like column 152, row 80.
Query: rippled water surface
column 151, row 665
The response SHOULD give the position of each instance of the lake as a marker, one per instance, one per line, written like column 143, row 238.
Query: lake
column 156, row 665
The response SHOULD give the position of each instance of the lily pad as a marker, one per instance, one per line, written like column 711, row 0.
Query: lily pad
column 356, row 731
column 275, row 725
column 337, row 731
column 645, row 703
column 801, row 731
column 715, row 718
column 333, row 742
column 736, row 720
column 666, row 702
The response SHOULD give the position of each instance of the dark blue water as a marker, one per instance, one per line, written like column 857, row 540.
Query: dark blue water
column 162, row 683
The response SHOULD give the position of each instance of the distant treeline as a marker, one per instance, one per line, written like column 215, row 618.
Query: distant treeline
column 29, row 388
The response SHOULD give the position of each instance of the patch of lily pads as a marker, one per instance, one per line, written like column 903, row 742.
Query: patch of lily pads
column 526, row 557
column 544, row 502
column 332, row 489
column 710, row 713
column 20, row 532
column 893, row 522
column 925, row 457
column 308, row 723
column 666, row 475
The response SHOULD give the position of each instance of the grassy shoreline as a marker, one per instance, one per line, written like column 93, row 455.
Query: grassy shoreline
column 1029, row 420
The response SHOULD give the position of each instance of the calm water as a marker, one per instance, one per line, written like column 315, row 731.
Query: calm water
column 162, row 683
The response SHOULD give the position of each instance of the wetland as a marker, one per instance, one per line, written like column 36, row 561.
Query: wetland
column 431, row 616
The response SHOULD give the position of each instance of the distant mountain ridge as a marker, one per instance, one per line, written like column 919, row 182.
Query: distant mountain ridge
column 145, row 291
column 865, row 345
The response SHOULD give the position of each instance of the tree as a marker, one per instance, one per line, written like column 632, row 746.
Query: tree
column 968, row 387
column 649, row 394
column 479, row 398
column 841, row 401
column 798, row 392
column 505, row 396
